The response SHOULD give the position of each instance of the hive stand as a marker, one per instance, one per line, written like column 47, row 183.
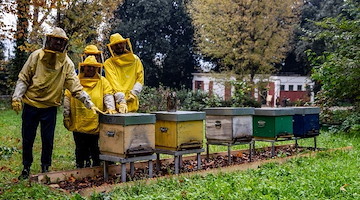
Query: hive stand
column 282, row 139
column 229, row 145
column 123, row 162
column 178, row 157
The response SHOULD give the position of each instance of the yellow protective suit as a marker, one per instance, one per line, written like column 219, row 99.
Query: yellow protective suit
column 124, row 72
column 84, row 120
column 46, row 77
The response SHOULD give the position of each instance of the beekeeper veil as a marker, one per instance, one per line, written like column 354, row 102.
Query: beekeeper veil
column 56, row 41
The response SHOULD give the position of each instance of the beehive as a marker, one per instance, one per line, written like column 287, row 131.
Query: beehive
column 229, row 125
column 179, row 130
column 306, row 121
column 273, row 122
column 126, row 135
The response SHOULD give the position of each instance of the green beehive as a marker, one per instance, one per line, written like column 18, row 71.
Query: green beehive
column 273, row 122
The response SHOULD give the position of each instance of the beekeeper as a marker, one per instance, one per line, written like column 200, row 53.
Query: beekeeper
column 84, row 123
column 40, row 86
column 92, row 50
column 125, row 73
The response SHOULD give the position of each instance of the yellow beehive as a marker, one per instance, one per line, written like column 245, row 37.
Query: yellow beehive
column 125, row 135
column 179, row 130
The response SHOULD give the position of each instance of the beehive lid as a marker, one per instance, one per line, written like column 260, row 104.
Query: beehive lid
column 306, row 110
column 274, row 111
column 180, row 116
column 229, row 111
column 128, row 119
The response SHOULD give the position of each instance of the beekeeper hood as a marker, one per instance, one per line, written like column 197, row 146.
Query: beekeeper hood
column 56, row 41
column 119, row 46
column 92, row 50
column 89, row 70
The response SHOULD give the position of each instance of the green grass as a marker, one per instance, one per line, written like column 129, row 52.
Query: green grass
column 331, row 175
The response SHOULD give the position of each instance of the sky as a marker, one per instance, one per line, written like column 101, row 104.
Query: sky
column 10, row 21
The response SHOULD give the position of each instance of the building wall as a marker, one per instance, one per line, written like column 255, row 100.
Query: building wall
column 279, row 87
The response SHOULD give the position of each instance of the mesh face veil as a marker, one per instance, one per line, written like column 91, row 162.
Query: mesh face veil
column 118, row 45
column 90, row 64
column 56, row 41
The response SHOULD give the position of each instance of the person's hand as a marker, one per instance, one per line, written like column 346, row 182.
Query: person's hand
column 67, row 122
column 111, row 111
column 96, row 110
column 122, row 107
column 16, row 106
column 131, row 97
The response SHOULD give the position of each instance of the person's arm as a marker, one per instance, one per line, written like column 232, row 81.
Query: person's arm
column 137, row 88
column 72, row 83
column 110, row 75
column 109, row 100
column 23, row 82
column 67, row 110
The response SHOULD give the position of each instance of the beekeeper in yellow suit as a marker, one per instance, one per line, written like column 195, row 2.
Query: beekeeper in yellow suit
column 84, row 123
column 40, row 86
column 125, row 73
column 92, row 50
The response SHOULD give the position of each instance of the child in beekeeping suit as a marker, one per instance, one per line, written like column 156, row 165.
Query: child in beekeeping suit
column 85, row 124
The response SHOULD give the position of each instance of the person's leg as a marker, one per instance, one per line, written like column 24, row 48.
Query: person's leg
column 81, row 151
column 48, row 122
column 94, row 149
column 30, row 121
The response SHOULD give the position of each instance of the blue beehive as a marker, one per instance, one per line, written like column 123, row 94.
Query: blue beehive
column 306, row 121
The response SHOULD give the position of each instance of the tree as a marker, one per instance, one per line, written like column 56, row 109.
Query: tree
column 81, row 19
column 21, row 34
column 249, row 37
column 337, row 68
column 313, row 10
column 83, row 22
column 162, row 36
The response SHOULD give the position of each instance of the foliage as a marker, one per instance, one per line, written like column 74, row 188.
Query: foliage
column 196, row 100
column 155, row 99
column 82, row 20
column 6, row 152
column 338, row 68
column 342, row 120
column 162, row 36
column 22, row 25
column 247, row 36
column 242, row 95
column 6, row 83
column 152, row 99
column 312, row 10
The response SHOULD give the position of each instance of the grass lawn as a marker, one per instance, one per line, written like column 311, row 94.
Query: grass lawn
column 333, row 175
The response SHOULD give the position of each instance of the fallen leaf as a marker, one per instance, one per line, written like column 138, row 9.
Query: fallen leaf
column 240, row 154
column 342, row 188
column 71, row 179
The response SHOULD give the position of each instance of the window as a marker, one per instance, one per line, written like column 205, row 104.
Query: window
column 282, row 87
column 291, row 88
column 199, row 85
column 299, row 88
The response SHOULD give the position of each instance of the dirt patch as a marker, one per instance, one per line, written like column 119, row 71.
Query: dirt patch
column 72, row 184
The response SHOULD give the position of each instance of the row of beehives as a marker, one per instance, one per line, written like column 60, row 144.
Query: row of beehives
column 139, row 133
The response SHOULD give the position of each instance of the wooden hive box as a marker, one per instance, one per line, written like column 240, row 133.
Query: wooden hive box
column 273, row 122
column 306, row 121
column 179, row 130
column 126, row 135
column 228, row 124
